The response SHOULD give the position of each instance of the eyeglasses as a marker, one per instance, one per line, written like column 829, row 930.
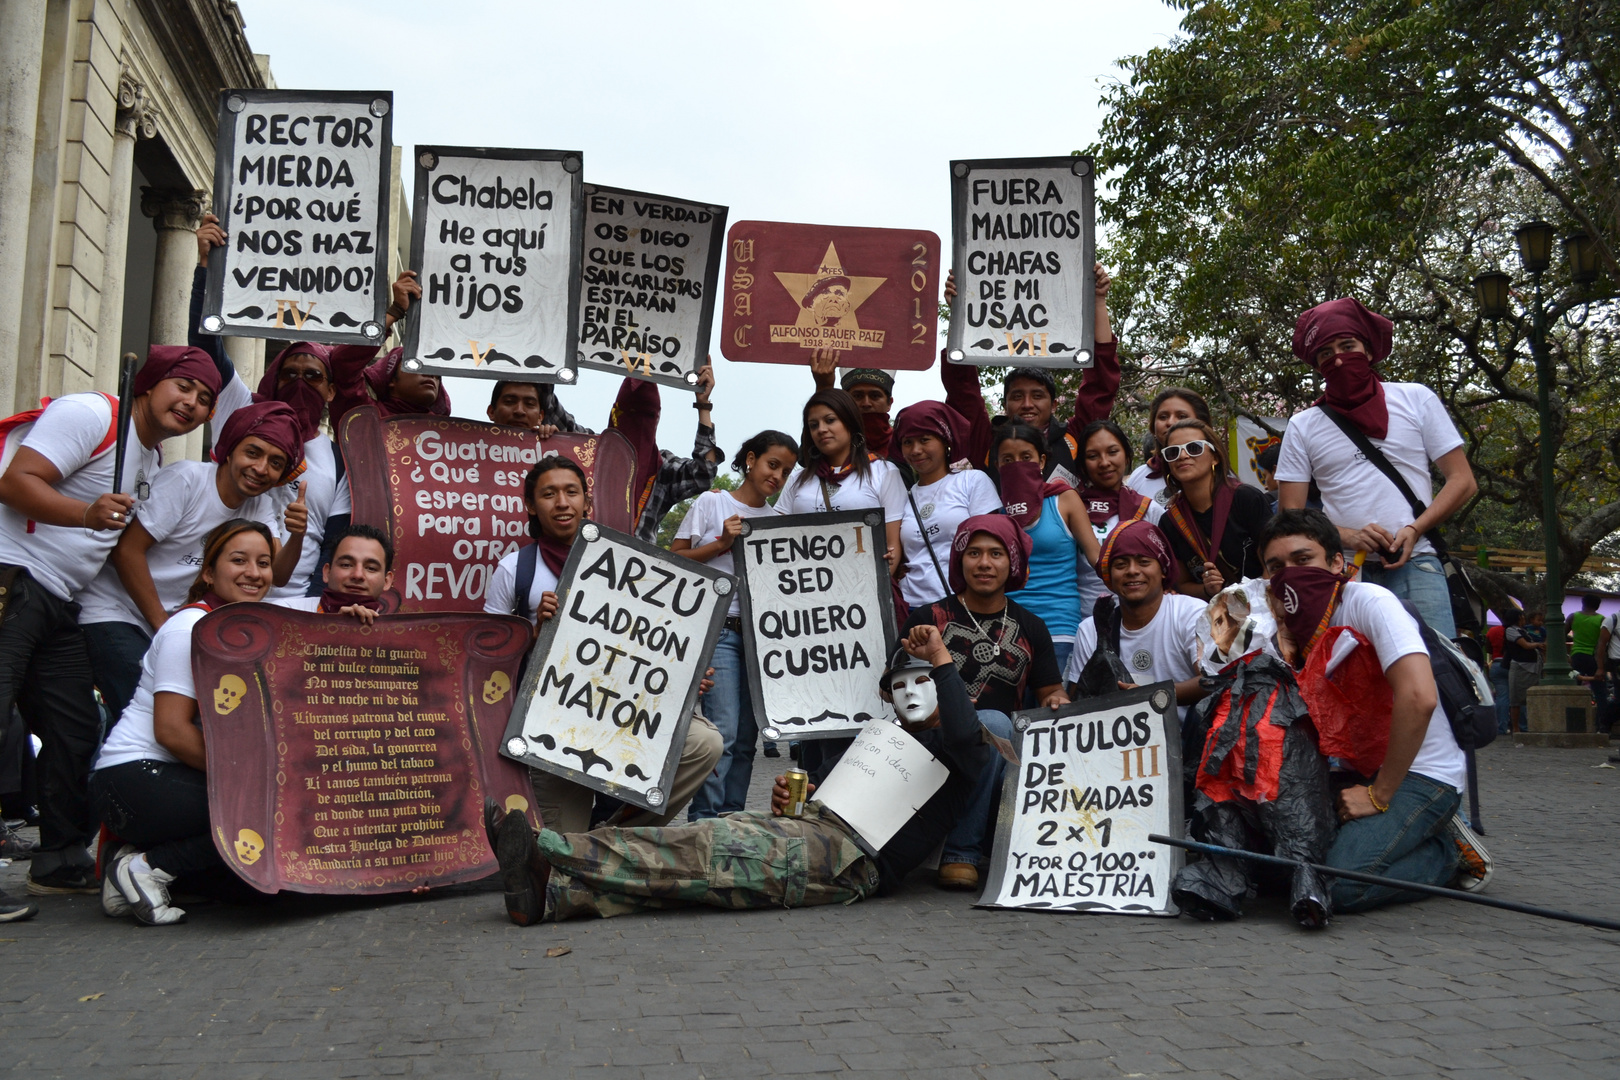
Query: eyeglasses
column 314, row 375
column 1195, row 448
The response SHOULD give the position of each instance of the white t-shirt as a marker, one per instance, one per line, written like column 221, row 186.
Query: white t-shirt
column 706, row 520
column 1165, row 649
column 1091, row 582
column 500, row 598
column 184, row 508
column 1354, row 493
column 1151, row 487
column 64, row 560
column 296, row 603
column 166, row 668
column 944, row 505
column 1378, row 615
column 882, row 487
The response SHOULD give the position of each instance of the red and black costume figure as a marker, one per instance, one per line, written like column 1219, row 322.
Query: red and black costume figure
column 635, row 416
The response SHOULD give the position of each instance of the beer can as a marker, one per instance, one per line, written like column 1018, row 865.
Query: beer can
column 798, row 784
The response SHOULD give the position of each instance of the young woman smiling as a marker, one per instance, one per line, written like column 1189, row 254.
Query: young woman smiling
column 1212, row 520
column 932, row 438
column 1170, row 406
column 836, row 472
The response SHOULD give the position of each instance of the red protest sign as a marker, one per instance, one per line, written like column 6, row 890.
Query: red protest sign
column 450, row 493
column 345, row 758
column 869, row 294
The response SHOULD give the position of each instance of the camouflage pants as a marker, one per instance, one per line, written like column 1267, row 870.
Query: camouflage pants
column 746, row 860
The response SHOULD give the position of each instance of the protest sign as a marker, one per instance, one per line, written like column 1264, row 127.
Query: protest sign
column 1023, row 250
column 880, row 782
column 301, row 183
column 450, row 493
column 347, row 758
column 1094, row 779
column 610, row 686
column 494, row 242
column 1248, row 441
column 871, row 295
column 650, row 271
column 818, row 620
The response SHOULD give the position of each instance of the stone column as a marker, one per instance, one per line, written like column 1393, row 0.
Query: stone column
column 175, row 213
column 22, row 44
column 135, row 119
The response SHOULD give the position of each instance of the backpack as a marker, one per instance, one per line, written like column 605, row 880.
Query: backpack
column 1463, row 689
column 14, row 429
column 527, row 561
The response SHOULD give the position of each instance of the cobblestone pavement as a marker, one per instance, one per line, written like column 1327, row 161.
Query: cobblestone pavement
column 920, row 984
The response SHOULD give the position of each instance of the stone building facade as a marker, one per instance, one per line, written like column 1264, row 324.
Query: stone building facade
column 108, row 114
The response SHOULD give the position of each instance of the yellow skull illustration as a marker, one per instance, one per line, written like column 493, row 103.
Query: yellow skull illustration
column 496, row 687
column 517, row 804
column 249, row 846
column 228, row 694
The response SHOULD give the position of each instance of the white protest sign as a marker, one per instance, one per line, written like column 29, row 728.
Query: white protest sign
column 817, row 621
column 1023, row 245
column 881, row 781
column 301, row 182
column 495, row 241
column 609, row 688
column 1095, row 779
column 649, row 277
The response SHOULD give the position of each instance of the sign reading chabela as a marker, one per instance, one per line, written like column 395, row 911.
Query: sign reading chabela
column 1094, row 779
column 650, row 271
column 818, row 618
column 1023, row 250
column 611, row 683
column 301, row 182
column 450, row 493
column 494, row 242
column 869, row 295
column 349, row 758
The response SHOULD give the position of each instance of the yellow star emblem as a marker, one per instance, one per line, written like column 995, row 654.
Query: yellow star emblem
column 828, row 296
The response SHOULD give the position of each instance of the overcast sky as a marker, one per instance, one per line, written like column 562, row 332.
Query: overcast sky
column 837, row 113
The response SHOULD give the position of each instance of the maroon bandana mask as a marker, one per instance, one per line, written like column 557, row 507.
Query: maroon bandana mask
column 1306, row 596
column 1023, row 490
column 303, row 398
column 1004, row 529
column 334, row 602
column 1354, row 389
column 554, row 552
column 1352, row 386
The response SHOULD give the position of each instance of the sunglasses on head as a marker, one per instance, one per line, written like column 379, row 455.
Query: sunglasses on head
column 1192, row 449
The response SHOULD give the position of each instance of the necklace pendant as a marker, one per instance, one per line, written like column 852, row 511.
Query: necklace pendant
column 984, row 652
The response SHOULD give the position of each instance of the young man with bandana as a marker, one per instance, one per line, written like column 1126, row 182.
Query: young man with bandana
column 361, row 570
column 58, row 522
column 1407, row 422
column 757, row 859
column 555, row 493
column 999, row 649
column 1402, row 821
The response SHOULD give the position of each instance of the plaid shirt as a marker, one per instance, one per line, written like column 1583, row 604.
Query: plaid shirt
column 679, row 479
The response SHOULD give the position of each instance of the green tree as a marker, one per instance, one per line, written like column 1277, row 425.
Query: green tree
column 725, row 480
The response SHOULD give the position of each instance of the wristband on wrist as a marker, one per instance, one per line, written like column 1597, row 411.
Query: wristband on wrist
column 396, row 311
column 702, row 406
column 1374, row 800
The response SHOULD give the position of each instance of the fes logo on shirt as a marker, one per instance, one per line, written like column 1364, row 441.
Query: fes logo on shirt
column 1141, row 660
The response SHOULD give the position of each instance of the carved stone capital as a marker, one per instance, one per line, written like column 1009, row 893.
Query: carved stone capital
column 135, row 116
column 175, row 208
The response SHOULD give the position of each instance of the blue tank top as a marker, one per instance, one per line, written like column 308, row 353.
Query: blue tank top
column 1053, row 590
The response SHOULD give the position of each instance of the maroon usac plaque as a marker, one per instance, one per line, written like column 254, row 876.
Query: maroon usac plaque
column 346, row 759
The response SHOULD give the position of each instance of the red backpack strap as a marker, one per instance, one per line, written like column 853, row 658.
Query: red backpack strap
column 112, row 428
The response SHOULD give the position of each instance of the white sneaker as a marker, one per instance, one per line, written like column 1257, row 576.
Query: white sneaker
column 1474, row 864
column 113, row 904
column 147, row 890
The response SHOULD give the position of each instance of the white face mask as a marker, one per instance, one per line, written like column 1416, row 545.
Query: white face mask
column 915, row 697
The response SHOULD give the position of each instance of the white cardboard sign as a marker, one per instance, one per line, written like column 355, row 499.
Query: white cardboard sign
column 882, row 780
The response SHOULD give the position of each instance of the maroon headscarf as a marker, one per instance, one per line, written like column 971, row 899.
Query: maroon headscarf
column 1004, row 529
column 929, row 418
column 1024, row 490
column 332, row 603
column 379, row 373
column 1306, row 595
column 305, row 400
column 1140, row 537
column 275, row 423
column 1353, row 387
column 176, row 362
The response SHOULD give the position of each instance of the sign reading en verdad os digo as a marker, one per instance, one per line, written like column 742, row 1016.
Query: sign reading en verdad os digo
column 301, row 183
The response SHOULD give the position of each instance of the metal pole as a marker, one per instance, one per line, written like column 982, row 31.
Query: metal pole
column 1555, row 668
column 126, row 415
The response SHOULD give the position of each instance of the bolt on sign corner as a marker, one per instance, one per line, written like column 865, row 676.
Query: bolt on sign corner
column 650, row 271
column 870, row 295
column 301, row 178
column 494, row 242
column 1094, row 779
column 1023, row 248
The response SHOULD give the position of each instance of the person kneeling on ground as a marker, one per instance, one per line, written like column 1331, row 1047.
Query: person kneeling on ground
column 756, row 859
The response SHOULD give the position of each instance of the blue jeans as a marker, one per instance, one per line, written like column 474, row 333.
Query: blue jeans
column 966, row 842
column 1422, row 581
column 1499, row 691
column 1408, row 841
column 730, row 709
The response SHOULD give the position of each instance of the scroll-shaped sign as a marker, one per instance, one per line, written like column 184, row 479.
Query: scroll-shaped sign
column 868, row 294
column 651, row 268
column 494, row 243
column 1023, row 250
column 818, row 620
column 346, row 758
column 450, row 493
column 610, row 686
column 301, row 189
column 1094, row 779
column 880, row 782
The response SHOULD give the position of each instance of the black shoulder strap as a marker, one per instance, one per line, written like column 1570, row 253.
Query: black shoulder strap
column 1387, row 467
column 1107, row 616
column 528, row 559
